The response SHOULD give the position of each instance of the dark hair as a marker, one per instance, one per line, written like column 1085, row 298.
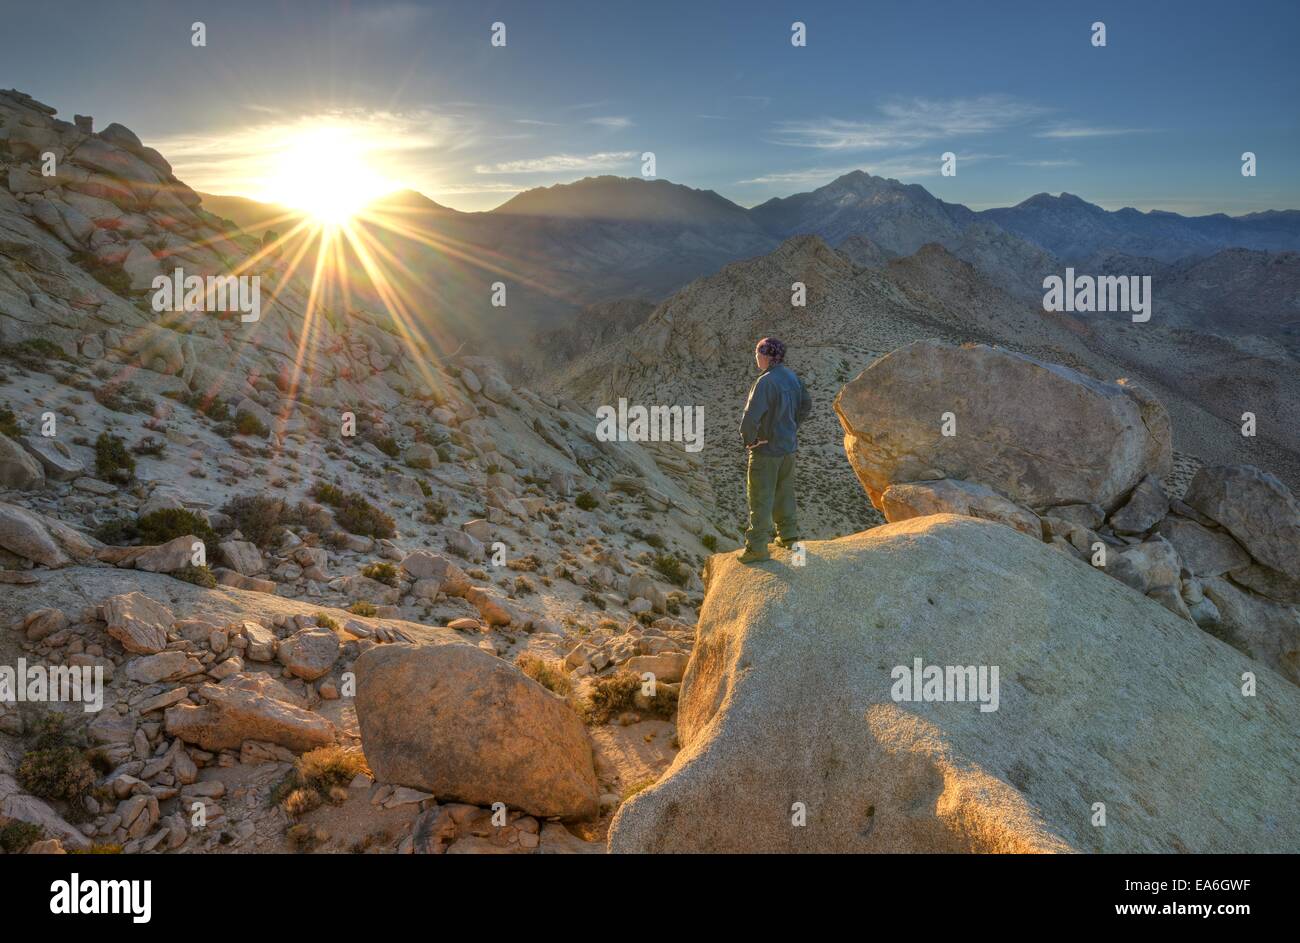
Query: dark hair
column 771, row 347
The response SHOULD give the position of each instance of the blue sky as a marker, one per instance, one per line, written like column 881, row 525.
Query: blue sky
column 1157, row 119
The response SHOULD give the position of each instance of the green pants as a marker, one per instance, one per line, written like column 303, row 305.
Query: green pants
column 769, row 489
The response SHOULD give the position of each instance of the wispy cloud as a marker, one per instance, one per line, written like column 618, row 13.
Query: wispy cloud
column 901, row 168
column 1082, row 131
column 1046, row 163
column 613, row 122
column 910, row 123
column 560, row 163
column 534, row 121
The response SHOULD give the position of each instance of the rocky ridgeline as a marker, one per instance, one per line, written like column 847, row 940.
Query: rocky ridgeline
column 1035, row 539
column 463, row 510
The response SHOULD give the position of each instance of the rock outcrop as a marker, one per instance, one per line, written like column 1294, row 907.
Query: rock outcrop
column 463, row 725
column 1039, row 433
column 795, row 738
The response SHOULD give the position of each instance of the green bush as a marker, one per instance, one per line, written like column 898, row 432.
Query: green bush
column 56, row 768
column 167, row 524
column 363, row 608
column 112, row 461
column 671, row 569
column 9, row 423
column 386, row 444
column 259, row 518
column 16, row 837
column 35, row 353
column 326, row 493
column 118, row 532
column 122, row 398
column 198, row 575
column 587, row 501
column 248, row 424
column 710, row 543
column 359, row 516
column 381, row 572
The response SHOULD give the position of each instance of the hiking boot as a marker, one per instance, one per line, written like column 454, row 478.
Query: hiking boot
column 750, row 555
column 786, row 543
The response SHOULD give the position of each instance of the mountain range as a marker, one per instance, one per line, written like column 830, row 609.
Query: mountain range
column 602, row 239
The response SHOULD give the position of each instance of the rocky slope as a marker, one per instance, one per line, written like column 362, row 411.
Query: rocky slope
column 224, row 516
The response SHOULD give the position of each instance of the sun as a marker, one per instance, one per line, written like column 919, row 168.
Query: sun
column 326, row 172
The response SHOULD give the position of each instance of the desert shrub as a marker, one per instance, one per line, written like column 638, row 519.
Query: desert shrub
column 208, row 405
column 166, row 524
column 610, row 695
column 9, row 423
column 35, row 353
column 327, row 768
column 259, row 518
column 586, row 501
column 198, row 575
column 56, row 768
column 359, row 516
column 117, row 532
column 122, row 398
column 549, row 674
column 112, row 461
column 381, row 572
column 150, row 446
column 16, row 837
column 110, row 276
column 386, row 444
column 326, row 621
column 671, row 569
column 363, row 608
column 326, row 493
column 425, row 488
column 299, row 802
column 435, row 512
column 710, row 543
column 248, row 424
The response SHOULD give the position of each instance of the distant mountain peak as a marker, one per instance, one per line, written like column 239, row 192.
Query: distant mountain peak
column 625, row 198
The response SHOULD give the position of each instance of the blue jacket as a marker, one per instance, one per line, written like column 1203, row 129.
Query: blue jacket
column 777, row 404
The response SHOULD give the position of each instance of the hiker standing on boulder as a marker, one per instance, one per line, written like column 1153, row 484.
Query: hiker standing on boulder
column 777, row 404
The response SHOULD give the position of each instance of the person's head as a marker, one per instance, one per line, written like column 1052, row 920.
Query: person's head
column 769, row 352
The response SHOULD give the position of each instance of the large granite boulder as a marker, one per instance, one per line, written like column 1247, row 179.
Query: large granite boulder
column 455, row 721
column 799, row 734
column 1039, row 433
